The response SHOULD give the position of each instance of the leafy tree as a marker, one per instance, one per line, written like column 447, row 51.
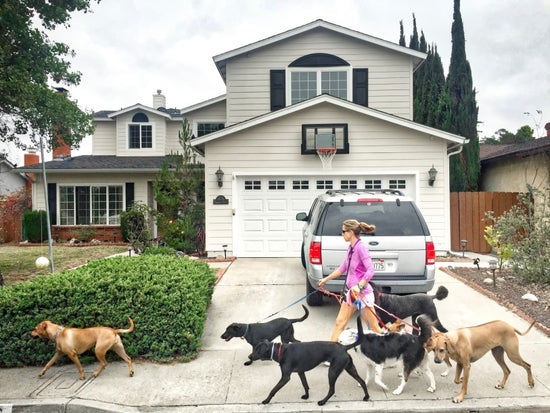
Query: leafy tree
column 29, row 62
column 179, row 191
column 504, row 137
column 464, row 167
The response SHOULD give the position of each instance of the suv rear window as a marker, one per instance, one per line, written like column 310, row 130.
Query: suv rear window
column 390, row 219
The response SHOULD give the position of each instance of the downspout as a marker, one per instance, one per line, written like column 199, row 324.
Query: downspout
column 459, row 146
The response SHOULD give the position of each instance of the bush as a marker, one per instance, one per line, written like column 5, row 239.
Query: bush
column 35, row 226
column 526, row 229
column 166, row 297
column 134, row 225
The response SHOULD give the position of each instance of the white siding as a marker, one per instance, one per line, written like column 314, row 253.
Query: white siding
column 376, row 147
column 390, row 73
column 104, row 139
column 159, row 133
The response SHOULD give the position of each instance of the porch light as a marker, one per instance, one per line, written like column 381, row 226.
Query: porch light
column 219, row 177
column 432, row 174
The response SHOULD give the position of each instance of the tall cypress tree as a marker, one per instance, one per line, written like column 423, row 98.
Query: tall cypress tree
column 464, row 167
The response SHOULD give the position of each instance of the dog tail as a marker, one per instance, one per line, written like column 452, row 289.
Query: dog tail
column 127, row 330
column 526, row 331
column 425, row 324
column 296, row 320
column 441, row 293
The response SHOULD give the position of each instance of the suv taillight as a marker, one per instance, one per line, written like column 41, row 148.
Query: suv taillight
column 430, row 253
column 315, row 253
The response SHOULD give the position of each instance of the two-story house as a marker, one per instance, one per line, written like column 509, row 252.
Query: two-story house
column 316, row 86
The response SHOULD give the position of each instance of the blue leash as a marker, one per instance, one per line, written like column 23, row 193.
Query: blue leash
column 288, row 306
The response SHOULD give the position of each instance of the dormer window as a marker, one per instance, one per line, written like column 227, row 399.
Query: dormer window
column 140, row 132
column 316, row 74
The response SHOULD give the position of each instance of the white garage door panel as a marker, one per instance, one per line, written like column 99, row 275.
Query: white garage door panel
column 277, row 205
column 253, row 205
column 277, row 225
column 250, row 225
column 265, row 219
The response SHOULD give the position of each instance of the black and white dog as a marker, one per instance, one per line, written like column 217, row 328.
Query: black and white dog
column 385, row 348
column 412, row 305
column 255, row 332
column 301, row 357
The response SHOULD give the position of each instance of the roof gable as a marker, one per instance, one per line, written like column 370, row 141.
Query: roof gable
column 107, row 115
column 325, row 98
column 221, row 59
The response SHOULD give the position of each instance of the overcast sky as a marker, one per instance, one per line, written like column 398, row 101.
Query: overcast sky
column 127, row 49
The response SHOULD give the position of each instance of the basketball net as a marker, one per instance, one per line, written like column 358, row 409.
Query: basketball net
column 326, row 155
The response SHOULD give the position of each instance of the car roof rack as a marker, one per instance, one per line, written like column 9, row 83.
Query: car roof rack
column 365, row 191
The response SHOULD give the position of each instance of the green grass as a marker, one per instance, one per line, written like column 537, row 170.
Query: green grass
column 17, row 263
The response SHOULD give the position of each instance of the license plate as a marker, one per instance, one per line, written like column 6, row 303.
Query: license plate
column 379, row 265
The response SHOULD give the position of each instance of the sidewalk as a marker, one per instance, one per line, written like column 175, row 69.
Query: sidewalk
column 217, row 381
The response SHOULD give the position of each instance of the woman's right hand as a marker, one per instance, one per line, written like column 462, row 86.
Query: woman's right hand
column 322, row 282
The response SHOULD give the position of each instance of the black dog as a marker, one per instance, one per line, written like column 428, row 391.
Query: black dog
column 403, row 306
column 256, row 332
column 379, row 348
column 301, row 357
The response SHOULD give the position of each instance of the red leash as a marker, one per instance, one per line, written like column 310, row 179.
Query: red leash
column 340, row 299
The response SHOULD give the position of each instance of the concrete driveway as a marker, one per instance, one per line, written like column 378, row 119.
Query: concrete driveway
column 217, row 381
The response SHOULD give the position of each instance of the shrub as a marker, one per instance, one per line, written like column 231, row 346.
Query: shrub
column 35, row 226
column 526, row 229
column 165, row 296
column 134, row 225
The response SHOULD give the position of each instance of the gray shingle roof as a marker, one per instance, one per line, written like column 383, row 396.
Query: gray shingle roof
column 521, row 149
column 102, row 163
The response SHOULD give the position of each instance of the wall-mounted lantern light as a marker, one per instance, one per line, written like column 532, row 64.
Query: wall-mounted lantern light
column 432, row 173
column 219, row 177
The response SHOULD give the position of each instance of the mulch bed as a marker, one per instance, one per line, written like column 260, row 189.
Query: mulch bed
column 508, row 292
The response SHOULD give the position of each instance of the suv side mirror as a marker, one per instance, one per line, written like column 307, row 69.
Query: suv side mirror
column 301, row 216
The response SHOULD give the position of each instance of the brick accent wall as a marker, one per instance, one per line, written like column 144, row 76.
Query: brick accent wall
column 110, row 233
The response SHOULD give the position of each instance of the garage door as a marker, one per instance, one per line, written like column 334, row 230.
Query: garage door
column 266, row 208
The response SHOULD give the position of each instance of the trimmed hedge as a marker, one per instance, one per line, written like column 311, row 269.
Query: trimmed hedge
column 166, row 297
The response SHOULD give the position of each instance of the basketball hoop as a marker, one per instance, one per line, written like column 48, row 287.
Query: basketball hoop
column 326, row 155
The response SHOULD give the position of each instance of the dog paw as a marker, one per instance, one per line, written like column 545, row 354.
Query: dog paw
column 397, row 391
column 305, row 397
column 266, row 401
column 458, row 399
column 248, row 363
column 431, row 389
column 445, row 374
column 499, row 386
column 366, row 398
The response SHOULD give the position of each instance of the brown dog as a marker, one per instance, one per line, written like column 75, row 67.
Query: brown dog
column 75, row 341
column 469, row 344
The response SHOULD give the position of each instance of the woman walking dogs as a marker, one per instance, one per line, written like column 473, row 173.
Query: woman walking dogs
column 359, row 269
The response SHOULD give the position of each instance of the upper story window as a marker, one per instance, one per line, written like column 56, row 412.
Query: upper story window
column 204, row 128
column 140, row 132
column 316, row 74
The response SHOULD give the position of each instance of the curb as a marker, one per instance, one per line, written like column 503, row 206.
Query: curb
column 497, row 299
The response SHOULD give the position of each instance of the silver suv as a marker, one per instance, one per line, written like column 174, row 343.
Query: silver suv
column 401, row 248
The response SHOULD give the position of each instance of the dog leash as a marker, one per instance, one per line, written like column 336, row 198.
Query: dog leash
column 395, row 317
column 288, row 306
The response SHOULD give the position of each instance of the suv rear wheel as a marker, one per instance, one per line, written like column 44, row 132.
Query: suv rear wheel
column 316, row 297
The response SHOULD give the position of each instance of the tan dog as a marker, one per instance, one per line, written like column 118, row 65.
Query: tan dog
column 75, row 341
column 469, row 344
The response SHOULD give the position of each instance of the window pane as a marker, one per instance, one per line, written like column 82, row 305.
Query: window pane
column 206, row 128
column 115, row 204
column 335, row 83
column 82, row 205
column 66, row 205
column 303, row 86
column 99, row 205
column 146, row 136
column 133, row 135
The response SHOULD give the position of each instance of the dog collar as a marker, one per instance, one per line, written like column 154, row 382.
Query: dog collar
column 57, row 332
column 246, row 330
column 278, row 352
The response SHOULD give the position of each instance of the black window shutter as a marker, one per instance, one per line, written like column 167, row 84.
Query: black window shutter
column 361, row 86
column 277, row 85
column 52, row 203
column 129, row 194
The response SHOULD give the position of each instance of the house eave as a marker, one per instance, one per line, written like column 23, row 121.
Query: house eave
column 451, row 138
column 221, row 59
